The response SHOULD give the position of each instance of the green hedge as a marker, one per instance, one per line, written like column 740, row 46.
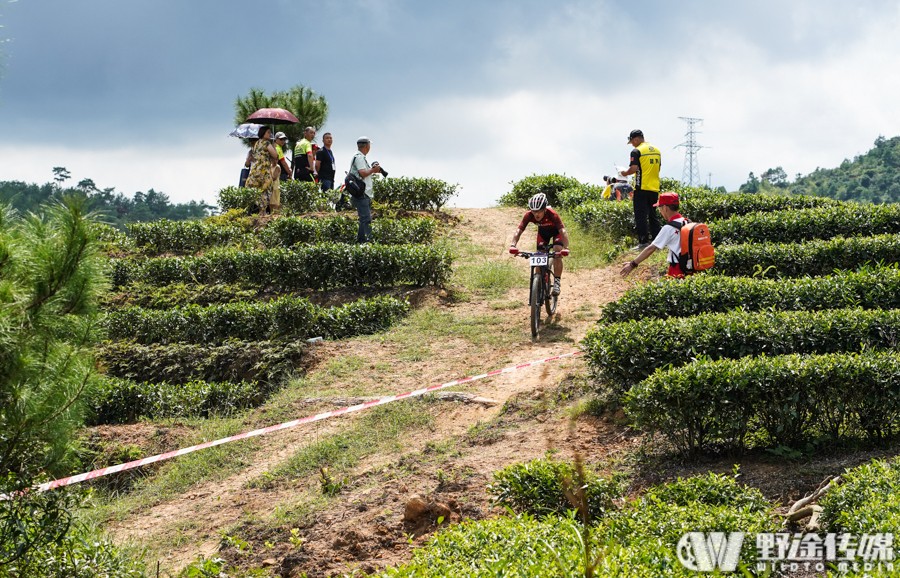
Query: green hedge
column 578, row 195
column 235, row 361
column 296, row 197
column 186, row 237
column 285, row 317
column 537, row 488
column 626, row 353
column 165, row 236
column 524, row 189
column 783, row 400
column 318, row 267
column 290, row 231
column 812, row 258
column 125, row 401
column 791, row 226
column 177, row 295
column 866, row 501
column 877, row 288
column 637, row 542
column 616, row 220
column 414, row 194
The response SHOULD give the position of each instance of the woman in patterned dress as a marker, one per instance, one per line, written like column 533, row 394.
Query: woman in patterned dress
column 265, row 159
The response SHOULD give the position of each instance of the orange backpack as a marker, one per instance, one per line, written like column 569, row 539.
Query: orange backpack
column 697, row 252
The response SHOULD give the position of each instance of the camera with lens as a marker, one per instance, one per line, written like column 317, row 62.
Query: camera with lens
column 383, row 172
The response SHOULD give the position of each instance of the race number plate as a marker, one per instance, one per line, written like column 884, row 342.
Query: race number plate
column 539, row 260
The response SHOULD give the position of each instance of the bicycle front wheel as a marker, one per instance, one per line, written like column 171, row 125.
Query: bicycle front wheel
column 536, row 298
column 551, row 299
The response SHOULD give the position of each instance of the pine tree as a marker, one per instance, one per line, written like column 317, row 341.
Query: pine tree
column 51, row 274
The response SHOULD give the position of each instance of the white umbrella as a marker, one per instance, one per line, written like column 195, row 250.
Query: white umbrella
column 246, row 130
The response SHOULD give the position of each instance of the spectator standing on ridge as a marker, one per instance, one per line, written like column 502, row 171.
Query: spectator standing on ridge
column 668, row 237
column 325, row 166
column 262, row 170
column 644, row 164
column 360, row 167
column 280, row 146
column 304, row 159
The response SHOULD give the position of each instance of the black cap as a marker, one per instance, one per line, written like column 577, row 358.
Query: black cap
column 634, row 133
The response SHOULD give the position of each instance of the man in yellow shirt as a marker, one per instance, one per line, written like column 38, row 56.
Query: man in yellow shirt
column 645, row 164
column 304, row 158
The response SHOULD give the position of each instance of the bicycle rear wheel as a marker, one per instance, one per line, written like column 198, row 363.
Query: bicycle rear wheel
column 536, row 299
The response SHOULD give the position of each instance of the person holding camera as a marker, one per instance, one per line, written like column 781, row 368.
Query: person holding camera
column 360, row 167
column 616, row 189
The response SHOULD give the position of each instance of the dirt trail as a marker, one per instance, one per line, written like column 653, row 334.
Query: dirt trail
column 363, row 529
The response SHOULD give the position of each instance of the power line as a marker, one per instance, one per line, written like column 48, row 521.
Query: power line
column 690, row 174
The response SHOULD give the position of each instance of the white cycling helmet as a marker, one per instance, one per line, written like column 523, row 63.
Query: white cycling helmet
column 537, row 202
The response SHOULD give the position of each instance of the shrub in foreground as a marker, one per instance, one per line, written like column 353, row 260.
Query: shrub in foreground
column 538, row 488
column 866, row 501
column 638, row 541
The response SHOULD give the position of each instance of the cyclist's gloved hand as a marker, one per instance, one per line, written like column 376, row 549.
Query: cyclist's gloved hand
column 513, row 250
column 564, row 252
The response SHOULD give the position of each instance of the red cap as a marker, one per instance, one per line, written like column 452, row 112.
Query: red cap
column 667, row 199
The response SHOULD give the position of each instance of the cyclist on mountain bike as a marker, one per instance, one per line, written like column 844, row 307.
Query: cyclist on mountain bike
column 551, row 231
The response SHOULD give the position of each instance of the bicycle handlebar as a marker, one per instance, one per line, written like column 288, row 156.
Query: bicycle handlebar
column 527, row 254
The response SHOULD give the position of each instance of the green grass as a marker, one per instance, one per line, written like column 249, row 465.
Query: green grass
column 429, row 324
column 181, row 473
column 489, row 279
column 376, row 431
column 587, row 251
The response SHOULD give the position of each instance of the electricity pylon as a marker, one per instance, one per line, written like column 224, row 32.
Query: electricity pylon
column 690, row 174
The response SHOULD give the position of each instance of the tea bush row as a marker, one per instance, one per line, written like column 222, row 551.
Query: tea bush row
column 616, row 219
column 186, row 237
column 870, row 288
column 638, row 541
column 177, row 295
column 180, row 363
column 791, row 226
column 626, row 353
column 289, row 231
column 297, row 197
column 812, row 258
column 113, row 401
column 785, row 400
column 285, row 317
column 317, row 267
column 414, row 194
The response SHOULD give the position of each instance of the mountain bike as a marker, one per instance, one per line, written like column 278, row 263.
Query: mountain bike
column 540, row 283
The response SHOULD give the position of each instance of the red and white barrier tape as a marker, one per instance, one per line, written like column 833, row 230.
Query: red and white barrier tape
column 258, row 432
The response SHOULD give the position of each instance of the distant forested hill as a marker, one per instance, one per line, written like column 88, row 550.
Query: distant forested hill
column 871, row 177
column 117, row 209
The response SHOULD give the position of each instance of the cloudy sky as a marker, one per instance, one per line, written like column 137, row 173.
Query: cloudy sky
column 139, row 94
